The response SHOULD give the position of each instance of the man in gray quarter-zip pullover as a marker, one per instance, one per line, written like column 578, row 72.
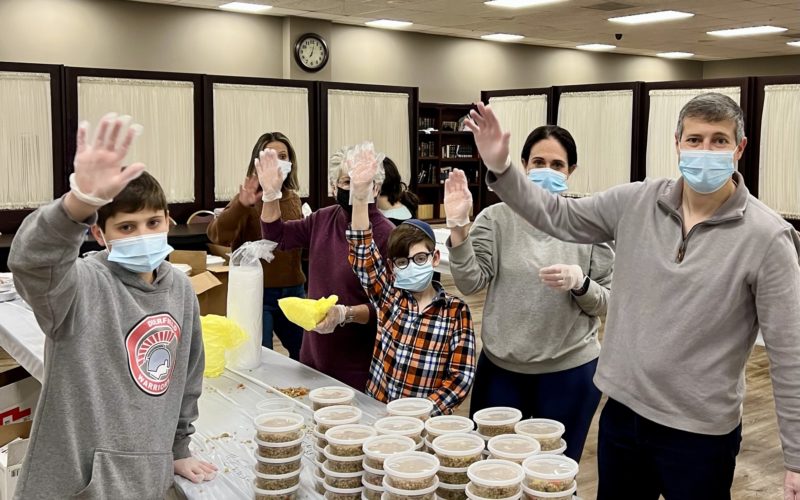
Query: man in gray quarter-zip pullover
column 700, row 266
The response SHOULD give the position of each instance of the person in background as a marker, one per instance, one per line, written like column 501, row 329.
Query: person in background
column 544, row 300
column 426, row 344
column 341, row 344
column 240, row 222
column 700, row 266
column 395, row 201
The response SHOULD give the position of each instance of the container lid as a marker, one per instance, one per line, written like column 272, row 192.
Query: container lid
column 513, row 446
column 446, row 424
column 495, row 473
column 541, row 428
column 332, row 394
column 328, row 472
column 452, row 470
column 473, row 496
column 550, row 494
column 550, row 467
column 498, row 415
column 275, row 493
column 337, row 458
column 404, row 426
column 277, row 422
column 410, row 407
column 272, row 405
column 560, row 450
column 265, row 460
column 410, row 493
column 380, row 447
column 276, row 477
column 337, row 415
column 349, row 434
column 458, row 445
column 446, row 486
column 411, row 465
column 286, row 444
column 373, row 487
column 377, row 472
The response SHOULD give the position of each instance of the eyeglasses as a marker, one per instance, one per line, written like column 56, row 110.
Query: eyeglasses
column 419, row 259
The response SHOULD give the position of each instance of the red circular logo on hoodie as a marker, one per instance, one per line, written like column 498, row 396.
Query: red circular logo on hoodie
column 152, row 347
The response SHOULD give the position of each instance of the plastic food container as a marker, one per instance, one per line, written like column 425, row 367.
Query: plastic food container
column 347, row 440
column 393, row 493
column 378, row 448
column 549, row 473
column 280, row 450
column 413, row 470
column 447, row 424
column 547, row 432
column 333, row 493
column 458, row 450
column 373, row 477
column 420, row 408
column 469, row 491
column 497, row 420
column 401, row 426
column 319, row 485
column 451, row 491
column 560, row 450
column 455, row 476
column 336, row 463
column 278, row 465
column 287, row 494
column 280, row 427
column 331, row 416
column 495, row 478
column 331, row 395
column 276, row 405
column 319, row 454
column 319, row 439
column 555, row 495
column 273, row 482
column 343, row 480
column 371, row 491
column 513, row 447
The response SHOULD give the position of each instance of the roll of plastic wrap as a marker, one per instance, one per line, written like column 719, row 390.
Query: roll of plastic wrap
column 245, row 307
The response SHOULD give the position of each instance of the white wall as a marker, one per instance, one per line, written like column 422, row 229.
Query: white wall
column 762, row 66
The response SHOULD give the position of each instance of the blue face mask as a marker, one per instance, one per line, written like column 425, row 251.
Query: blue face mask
column 549, row 179
column 140, row 254
column 414, row 278
column 706, row 171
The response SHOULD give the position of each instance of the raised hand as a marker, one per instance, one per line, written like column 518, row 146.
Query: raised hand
column 492, row 142
column 457, row 199
column 269, row 174
column 362, row 166
column 563, row 277
column 248, row 191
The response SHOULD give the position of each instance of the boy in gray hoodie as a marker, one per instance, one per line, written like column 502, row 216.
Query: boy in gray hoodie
column 123, row 351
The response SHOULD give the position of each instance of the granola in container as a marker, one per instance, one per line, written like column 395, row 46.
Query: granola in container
column 450, row 475
column 319, row 439
column 287, row 494
column 319, row 454
column 471, row 495
column 336, row 463
column 420, row 408
column 497, row 420
column 331, row 395
column 394, row 493
column 378, row 448
column 560, row 450
column 331, row 416
column 347, row 440
column 371, row 491
column 495, row 478
column 279, row 427
column 333, row 493
column 343, row 480
column 547, row 432
column 513, row 447
column 278, row 465
column 273, row 482
column 554, row 495
column 413, row 470
column 280, row 450
column 451, row 491
column 373, row 476
column 401, row 426
column 319, row 486
column 447, row 424
column 549, row 473
column 458, row 450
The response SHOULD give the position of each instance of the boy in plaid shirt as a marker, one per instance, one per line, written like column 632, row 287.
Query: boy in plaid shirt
column 426, row 344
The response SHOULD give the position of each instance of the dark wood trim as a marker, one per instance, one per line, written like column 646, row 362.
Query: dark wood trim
column 11, row 219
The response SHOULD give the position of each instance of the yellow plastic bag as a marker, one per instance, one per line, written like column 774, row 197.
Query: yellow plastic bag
column 306, row 312
column 219, row 335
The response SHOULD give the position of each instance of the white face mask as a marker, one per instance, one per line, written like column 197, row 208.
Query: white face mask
column 139, row 254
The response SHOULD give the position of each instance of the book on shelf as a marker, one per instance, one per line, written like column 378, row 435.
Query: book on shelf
column 444, row 173
column 425, row 211
column 426, row 123
column 425, row 174
column 454, row 151
column 443, row 214
column 427, row 149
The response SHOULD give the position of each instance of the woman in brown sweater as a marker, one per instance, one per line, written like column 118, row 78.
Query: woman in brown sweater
column 240, row 222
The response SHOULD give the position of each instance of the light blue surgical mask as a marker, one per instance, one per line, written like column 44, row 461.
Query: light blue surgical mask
column 414, row 278
column 140, row 254
column 706, row 171
column 549, row 179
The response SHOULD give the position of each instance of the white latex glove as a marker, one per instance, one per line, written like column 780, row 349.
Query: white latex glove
column 362, row 168
column 99, row 175
column 492, row 142
column 457, row 199
column 791, row 486
column 334, row 318
column 562, row 277
column 194, row 470
column 270, row 175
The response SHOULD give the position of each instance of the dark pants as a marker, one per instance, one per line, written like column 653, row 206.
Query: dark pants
column 638, row 458
column 568, row 396
column 290, row 335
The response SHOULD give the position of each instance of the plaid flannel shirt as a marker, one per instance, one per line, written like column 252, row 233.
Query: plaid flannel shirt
column 428, row 353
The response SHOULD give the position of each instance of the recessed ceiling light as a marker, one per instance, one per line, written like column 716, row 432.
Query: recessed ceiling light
column 752, row 30
column 675, row 55
column 502, row 37
column 596, row 47
column 651, row 17
column 249, row 8
column 518, row 4
column 794, row 44
column 388, row 23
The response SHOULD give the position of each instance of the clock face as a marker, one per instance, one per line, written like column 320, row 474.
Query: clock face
column 311, row 52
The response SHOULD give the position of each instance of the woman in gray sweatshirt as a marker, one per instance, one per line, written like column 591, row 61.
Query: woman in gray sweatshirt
column 543, row 302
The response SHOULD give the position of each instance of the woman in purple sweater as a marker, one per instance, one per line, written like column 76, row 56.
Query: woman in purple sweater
column 341, row 345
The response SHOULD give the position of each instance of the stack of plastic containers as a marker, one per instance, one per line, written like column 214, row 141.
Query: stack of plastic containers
column 410, row 476
column 376, row 450
column 279, row 437
column 456, row 453
column 496, row 421
column 494, row 479
column 445, row 424
column 327, row 418
column 402, row 426
column 331, row 395
column 550, row 477
column 513, row 447
column 420, row 408
column 343, row 467
column 547, row 432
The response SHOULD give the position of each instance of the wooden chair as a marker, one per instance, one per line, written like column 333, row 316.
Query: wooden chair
column 201, row 217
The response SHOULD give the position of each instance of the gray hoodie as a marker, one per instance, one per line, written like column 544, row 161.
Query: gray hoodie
column 685, row 312
column 123, row 367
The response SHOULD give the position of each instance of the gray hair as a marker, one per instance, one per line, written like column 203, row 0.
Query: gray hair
column 336, row 161
column 713, row 107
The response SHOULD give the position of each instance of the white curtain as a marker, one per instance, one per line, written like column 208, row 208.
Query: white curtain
column 165, row 109
column 379, row 117
column 665, row 106
column 520, row 114
column 26, row 140
column 601, row 124
column 779, row 160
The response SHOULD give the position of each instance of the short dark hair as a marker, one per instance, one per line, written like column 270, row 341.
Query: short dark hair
column 291, row 181
column 560, row 134
column 394, row 189
column 403, row 237
column 142, row 193
column 713, row 107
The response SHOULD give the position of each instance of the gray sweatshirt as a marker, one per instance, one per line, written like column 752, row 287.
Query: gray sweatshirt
column 527, row 326
column 123, row 367
column 685, row 312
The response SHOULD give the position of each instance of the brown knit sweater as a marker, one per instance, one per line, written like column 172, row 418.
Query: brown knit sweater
column 238, row 224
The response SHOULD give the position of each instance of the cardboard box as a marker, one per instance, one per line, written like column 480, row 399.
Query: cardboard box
column 14, row 438
column 209, row 283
